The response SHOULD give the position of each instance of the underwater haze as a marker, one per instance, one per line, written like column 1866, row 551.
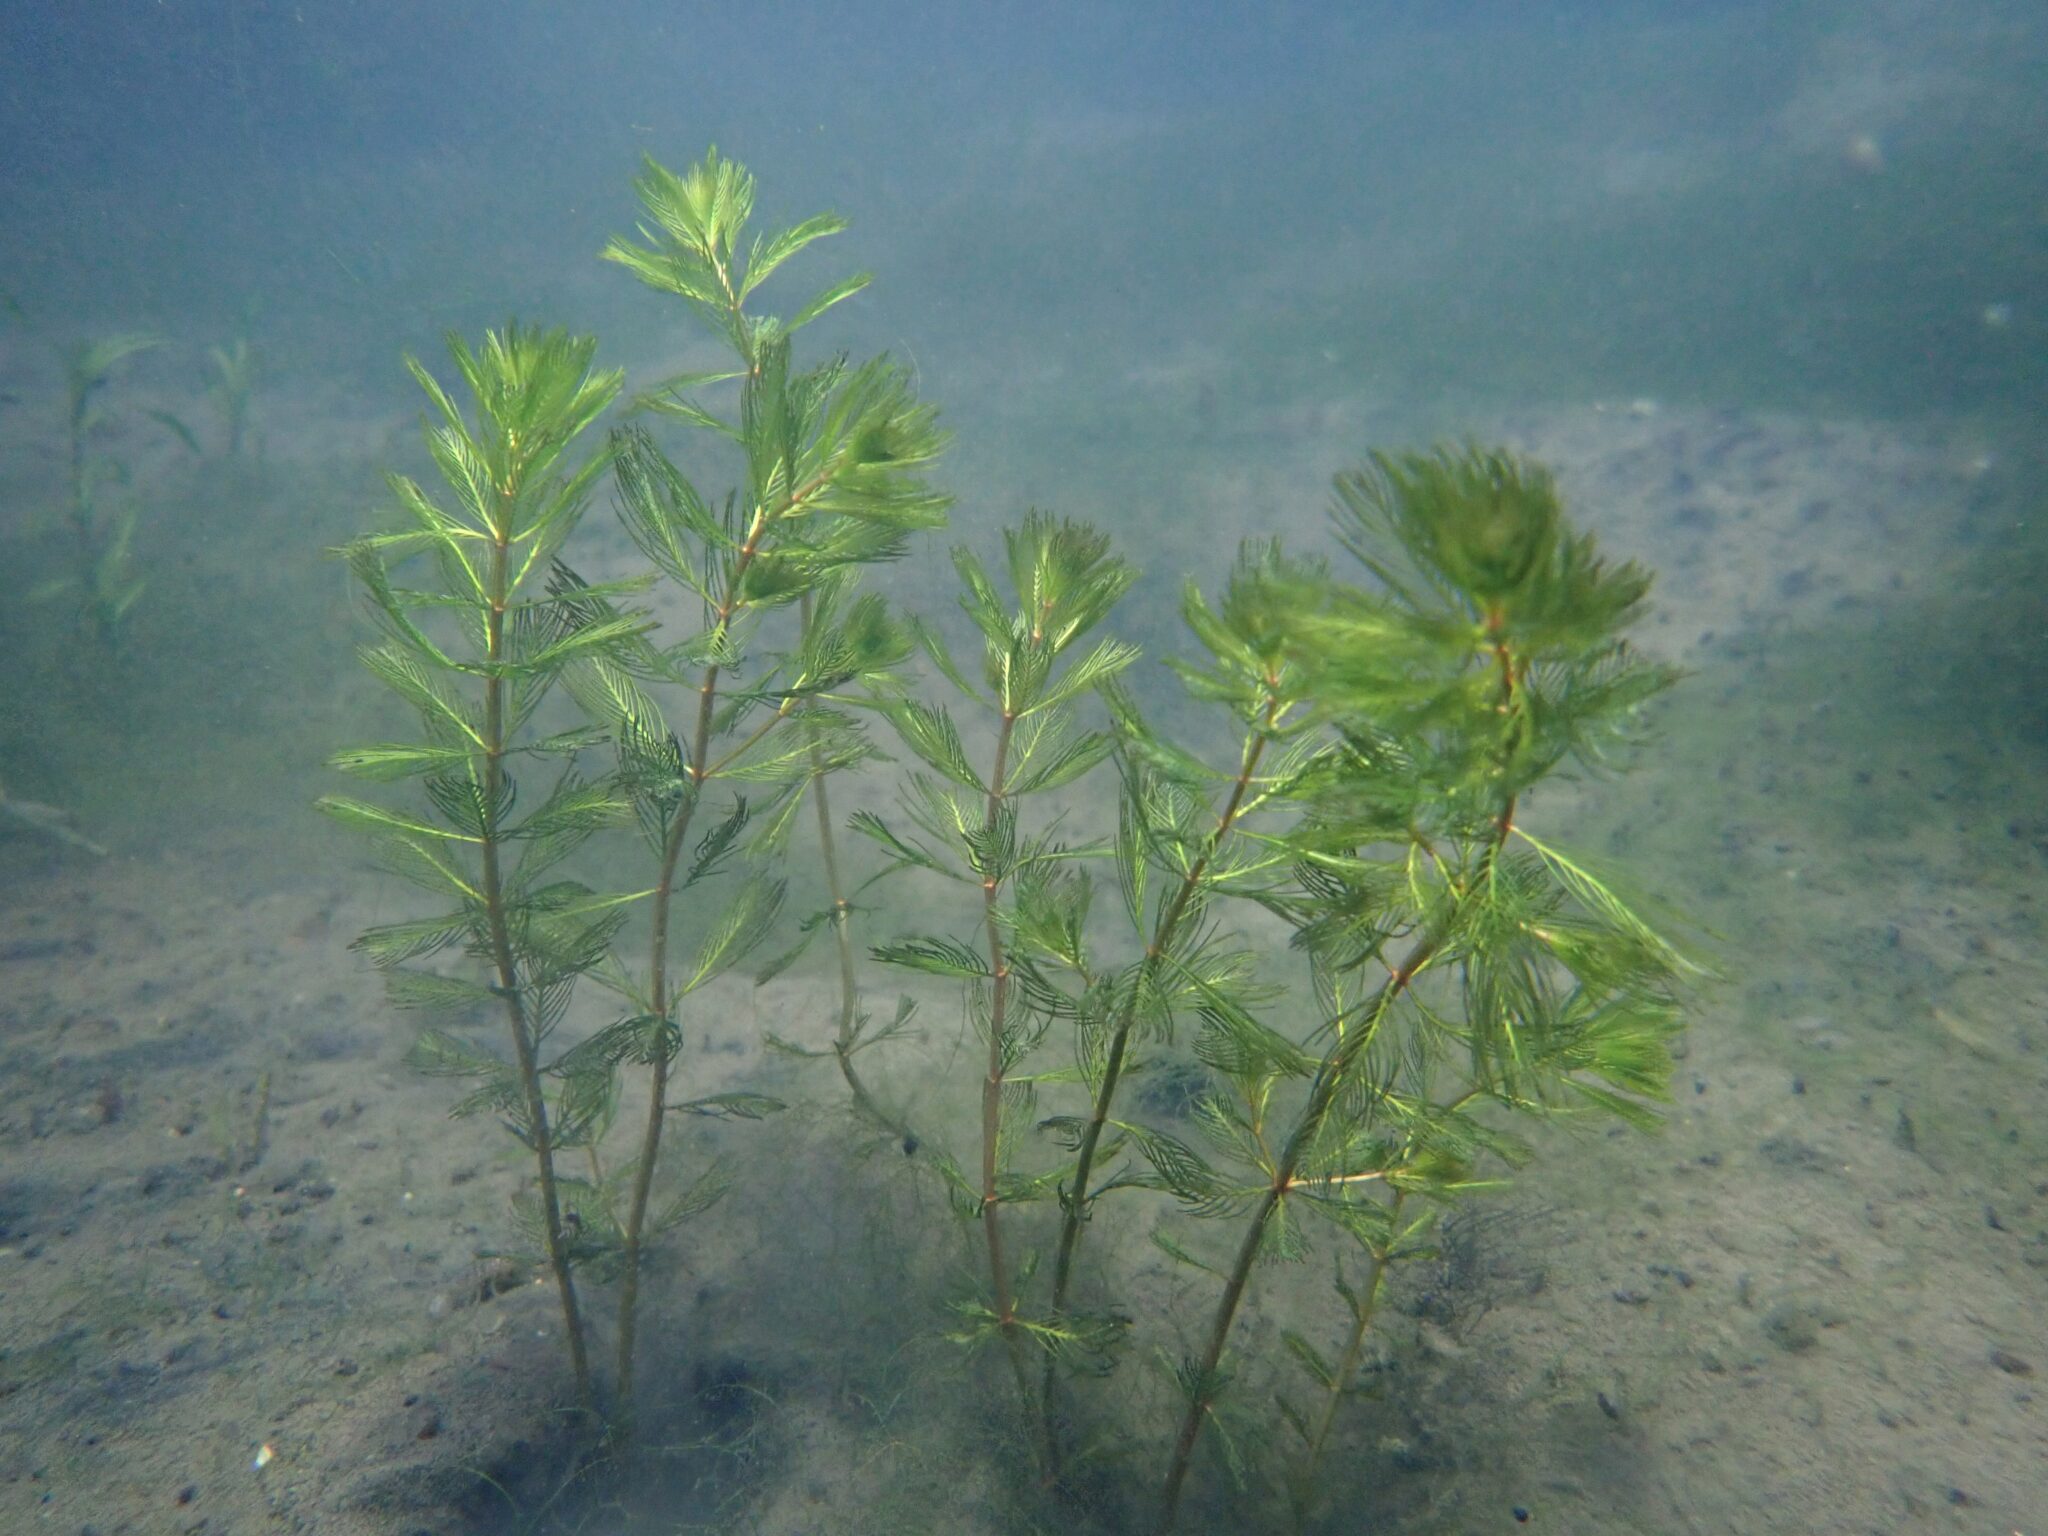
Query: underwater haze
column 1762, row 288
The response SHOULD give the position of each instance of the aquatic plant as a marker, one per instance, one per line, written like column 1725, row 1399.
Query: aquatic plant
column 1064, row 581
column 1456, row 969
column 102, row 580
column 233, row 386
column 42, row 820
column 833, row 461
column 1451, row 969
column 1445, row 970
column 475, row 651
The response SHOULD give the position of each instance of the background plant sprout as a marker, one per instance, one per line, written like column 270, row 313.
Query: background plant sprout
column 102, row 582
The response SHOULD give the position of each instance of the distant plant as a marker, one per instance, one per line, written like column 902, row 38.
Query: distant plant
column 102, row 581
column 234, row 383
column 49, row 821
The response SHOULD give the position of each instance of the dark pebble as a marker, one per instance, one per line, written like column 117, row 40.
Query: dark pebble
column 1608, row 1405
column 1521, row 1515
column 1791, row 1152
column 32, row 949
column 1792, row 1327
column 2011, row 1363
column 188, row 1493
column 1631, row 1298
column 1903, row 1135
column 1799, row 1085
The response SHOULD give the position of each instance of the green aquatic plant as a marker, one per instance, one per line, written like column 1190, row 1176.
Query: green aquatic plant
column 1381, row 962
column 474, row 648
column 102, row 581
column 233, row 386
column 1456, row 970
column 1037, row 668
column 832, row 479
column 833, row 460
column 1447, row 970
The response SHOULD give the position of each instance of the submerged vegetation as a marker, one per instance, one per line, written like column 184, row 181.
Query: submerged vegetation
column 102, row 584
column 1378, row 965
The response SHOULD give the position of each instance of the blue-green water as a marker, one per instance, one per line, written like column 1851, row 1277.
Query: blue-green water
column 1767, row 282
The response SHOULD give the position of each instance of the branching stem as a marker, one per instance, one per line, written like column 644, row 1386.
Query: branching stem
column 1078, row 1199
column 1328, row 1083
column 1001, row 1292
column 846, row 1036
column 1362, row 1313
column 524, row 1046
column 633, row 1230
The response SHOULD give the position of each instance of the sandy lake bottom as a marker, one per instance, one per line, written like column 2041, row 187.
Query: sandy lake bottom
column 244, row 1271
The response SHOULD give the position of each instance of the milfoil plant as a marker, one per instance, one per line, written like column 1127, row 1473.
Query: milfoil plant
column 830, row 470
column 830, row 464
column 1446, row 969
column 1456, row 971
column 1339, row 938
column 475, row 646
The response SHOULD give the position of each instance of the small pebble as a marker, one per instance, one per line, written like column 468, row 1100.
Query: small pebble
column 1791, row 1152
column 1521, row 1515
column 1903, row 1134
column 2011, row 1363
column 1791, row 1327
column 1630, row 1298
column 1608, row 1405
column 1799, row 1085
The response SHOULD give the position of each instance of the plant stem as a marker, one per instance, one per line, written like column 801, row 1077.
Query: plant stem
column 80, row 509
column 1322, row 1096
column 992, row 1097
column 524, row 1046
column 844, row 1038
column 1347, row 1364
column 633, row 1230
column 1329, row 1080
column 1078, row 1200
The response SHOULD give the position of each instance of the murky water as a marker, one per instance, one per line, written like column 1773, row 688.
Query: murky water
column 1764, row 284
